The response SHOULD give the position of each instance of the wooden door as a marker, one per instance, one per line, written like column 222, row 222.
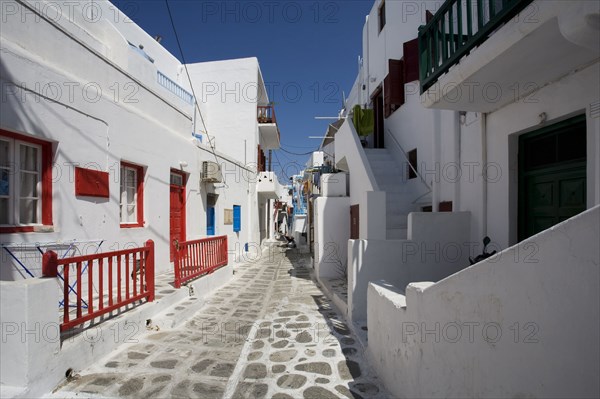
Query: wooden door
column 354, row 223
column 210, row 221
column 552, row 176
column 379, row 119
column 176, row 211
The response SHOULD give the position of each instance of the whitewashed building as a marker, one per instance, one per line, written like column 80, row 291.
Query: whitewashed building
column 103, row 147
column 486, row 123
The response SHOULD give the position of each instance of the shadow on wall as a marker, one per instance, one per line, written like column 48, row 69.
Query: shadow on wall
column 26, row 111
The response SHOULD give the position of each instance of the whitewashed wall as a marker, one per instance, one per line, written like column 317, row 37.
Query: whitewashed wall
column 109, row 115
column 332, row 232
column 522, row 323
column 228, row 95
column 438, row 246
column 568, row 97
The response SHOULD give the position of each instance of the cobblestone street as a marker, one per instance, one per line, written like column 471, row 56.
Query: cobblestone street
column 270, row 332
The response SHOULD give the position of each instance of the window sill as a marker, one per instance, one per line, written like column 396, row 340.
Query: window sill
column 27, row 229
column 131, row 225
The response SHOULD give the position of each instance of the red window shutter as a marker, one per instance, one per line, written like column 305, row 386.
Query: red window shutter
column 428, row 16
column 411, row 60
column 393, row 85
column 91, row 183
column 387, row 95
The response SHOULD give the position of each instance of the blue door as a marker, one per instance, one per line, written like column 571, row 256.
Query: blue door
column 237, row 218
column 210, row 221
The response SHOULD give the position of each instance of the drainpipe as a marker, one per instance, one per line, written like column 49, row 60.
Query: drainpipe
column 437, row 137
column 484, row 205
column 368, row 71
column 457, row 144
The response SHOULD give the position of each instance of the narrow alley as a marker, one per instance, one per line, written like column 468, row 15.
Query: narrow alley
column 270, row 332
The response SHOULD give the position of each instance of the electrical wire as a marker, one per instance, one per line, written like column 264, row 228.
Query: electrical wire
column 213, row 150
column 296, row 153
column 281, row 166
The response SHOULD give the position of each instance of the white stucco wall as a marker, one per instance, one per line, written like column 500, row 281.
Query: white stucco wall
column 364, row 191
column 97, row 114
column 332, row 231
column 438, row 248
column 36, row 356
column 30, row 334
column 522, row 323
column 568, row 97
column 226, row 89
column 403, row 19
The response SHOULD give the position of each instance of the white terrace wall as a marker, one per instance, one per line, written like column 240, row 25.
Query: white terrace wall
column 523, row 323
column 438, row 246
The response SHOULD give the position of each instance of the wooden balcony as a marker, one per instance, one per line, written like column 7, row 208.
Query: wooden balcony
column 270, row 138
column 458, row 27
column 481, row 55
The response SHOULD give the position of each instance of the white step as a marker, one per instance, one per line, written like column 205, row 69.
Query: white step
column 387, row 174
column 373, row 154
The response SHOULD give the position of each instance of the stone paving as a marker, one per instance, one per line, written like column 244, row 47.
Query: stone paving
column 269, row 333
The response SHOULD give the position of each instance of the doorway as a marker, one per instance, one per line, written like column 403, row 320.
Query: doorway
column 378, row 128
column 176, row 211
column 552, row 175
column 211, row 229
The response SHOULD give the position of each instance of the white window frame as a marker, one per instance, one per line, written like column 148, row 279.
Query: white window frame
column 14, row 182
column 123, row 195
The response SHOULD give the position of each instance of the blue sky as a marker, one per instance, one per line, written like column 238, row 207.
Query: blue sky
column 307, row 51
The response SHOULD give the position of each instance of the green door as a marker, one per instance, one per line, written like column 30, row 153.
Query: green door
column 552, row 176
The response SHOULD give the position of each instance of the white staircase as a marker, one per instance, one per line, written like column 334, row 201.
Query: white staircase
column 389, row 176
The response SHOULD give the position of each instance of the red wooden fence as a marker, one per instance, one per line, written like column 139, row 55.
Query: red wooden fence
column 129, row 275
column 194, row 258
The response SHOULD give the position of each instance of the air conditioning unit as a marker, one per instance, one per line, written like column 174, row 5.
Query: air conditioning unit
column 211, row 172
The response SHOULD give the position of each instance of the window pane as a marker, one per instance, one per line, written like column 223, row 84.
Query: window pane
column 28, row 211
column 3, row 210
column 3, row 153
column 176, row 180
column 122, row 179
column 128, row 195
column 131, row 180
column 131, row 196
column 29, row 160
column 4, row 182
column 29, row 185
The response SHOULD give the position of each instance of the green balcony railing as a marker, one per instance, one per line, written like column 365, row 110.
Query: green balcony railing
column 456, row 28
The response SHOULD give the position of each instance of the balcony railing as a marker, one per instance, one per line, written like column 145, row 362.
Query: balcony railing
column 458, row 27
column 127, row 274
column 196, row 258
column 265, row 114
column 174, row 88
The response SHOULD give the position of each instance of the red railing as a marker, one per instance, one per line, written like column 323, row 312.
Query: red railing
column 198, row 257
column 128, row 274
column 265, row 114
